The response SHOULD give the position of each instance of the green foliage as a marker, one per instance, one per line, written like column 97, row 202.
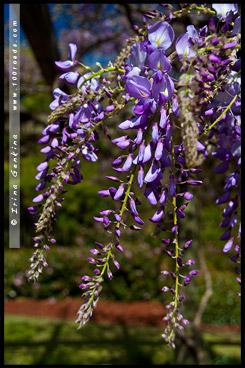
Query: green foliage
column 41, row 341
column 36, row 103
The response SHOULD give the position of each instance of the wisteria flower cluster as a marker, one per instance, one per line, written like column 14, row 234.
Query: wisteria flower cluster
column 175, row 126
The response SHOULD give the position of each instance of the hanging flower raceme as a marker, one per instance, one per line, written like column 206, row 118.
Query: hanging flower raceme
column 174, row 126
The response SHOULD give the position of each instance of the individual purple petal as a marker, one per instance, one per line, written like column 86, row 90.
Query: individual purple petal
column 133, row 227
column 193, row 272
column 106, row 212
column 44, row 139
column 133, row 207
column 119, row 192
column 239, row 229
column 110, row 108
column 58, row 93
column 164, row 196
column 161, row 35
column 179, row 261
column 54, row 142
column 157, row 215
column 92, row 260
column 41, row 175
column 172, row 186
column 139, row 137
column 112, row 191
column 113, row 178
column 155, row 133
column 174, row 228
column 125, row 124
column 159, row 61
column 194, row 182
column 138, row 87
column 180, row 213
column 42, row 166
column 187, row 280
column 153, row 172
column 237, row 26
column 236, row 149
column 175, row 106
column 88, row 154
column 120, row 248
column 225, row 222
column 223, row 198
column 106, row 221
column 122, row 142
column 96, row 252
column 41, row 185
column 150, row 195
column 183, row 46
column 159, row 149
column 138, row 220
column 231, row 206
column 162, row 88
column 192, row 32
column 142, row 106
column 226, row 235
column 118, row 161
column 163, row 119
column 231, row 181
column 141, row 177
column 128, row 163
column 117, row 217
column 70, row 77
column 39, row 198
column 233, row 221
column 200, row 146
column 228, row 245
column 117, row 232
column 140, row 121
column 187, row 244
column 188, row 196
column 214, row 59
column 147, row 153
column 223, row 10
column 72, row 51
column 104, row 193
column 138, row 54
column 64, row 65
column 45, row 149
column 52, row 128
column 140, row 156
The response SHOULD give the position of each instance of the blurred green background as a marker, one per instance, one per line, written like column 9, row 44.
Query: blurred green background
column 139, row 277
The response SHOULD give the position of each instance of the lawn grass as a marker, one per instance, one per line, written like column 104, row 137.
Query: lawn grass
column 43, row 341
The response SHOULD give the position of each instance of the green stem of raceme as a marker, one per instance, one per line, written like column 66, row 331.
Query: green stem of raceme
column 126, row 195
column 221, row 115
column 176, row 236
column 197, row 8
column 100, row 72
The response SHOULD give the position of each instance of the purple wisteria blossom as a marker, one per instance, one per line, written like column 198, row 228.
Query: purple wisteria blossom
column 224, row 11
column 67, row 64
column 176, row 123
column 161, row 35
